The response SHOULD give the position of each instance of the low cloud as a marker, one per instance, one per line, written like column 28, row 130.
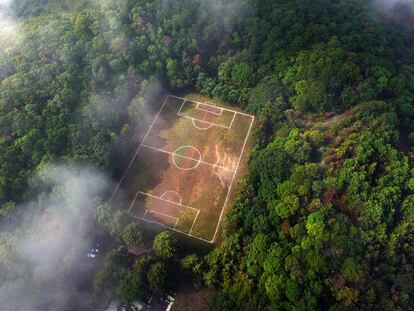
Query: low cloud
column 46, row 260
column 401, row 11
column 392, row 4
column 8, row 23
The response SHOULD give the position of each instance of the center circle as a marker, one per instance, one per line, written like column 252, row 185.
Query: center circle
column 186, row 158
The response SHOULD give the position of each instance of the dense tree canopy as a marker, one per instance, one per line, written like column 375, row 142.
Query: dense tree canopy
column 323, row 218
column 165, row 245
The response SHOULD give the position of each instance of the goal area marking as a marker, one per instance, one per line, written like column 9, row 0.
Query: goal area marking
column 208, row 108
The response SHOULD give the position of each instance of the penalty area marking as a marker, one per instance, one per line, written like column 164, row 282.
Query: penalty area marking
column 171, row 228
column 209, row 111
column 181, row 114
column 171, row 191
column 207, row 122
column 162, row 214
column 215, row 106
column 195, row 219
column 232, row 121
column 172, row 217
column 156, row 197
column 202, row 128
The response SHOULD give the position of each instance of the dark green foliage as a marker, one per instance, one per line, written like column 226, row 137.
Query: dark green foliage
column 158, row 277
column 131, row 288
column 323, row 219
column 335, row 218
column 165, row 245
column 115, row 221
column 193, row 264
column 132, row 235
column 223, row 302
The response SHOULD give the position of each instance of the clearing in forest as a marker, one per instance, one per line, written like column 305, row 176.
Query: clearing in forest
column 182, row 173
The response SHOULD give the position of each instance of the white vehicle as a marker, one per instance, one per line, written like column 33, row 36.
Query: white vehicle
column 94, row 251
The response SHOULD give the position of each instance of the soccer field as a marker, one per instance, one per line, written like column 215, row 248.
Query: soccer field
column 182, row 173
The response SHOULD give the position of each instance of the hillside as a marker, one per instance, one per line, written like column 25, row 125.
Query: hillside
column 323, row 218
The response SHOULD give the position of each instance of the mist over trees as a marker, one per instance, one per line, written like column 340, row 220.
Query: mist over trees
column 401, row 11
column 323, row 218
column 40, row 250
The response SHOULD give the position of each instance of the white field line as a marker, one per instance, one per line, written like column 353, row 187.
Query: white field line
column 195, row 119
column 181, row 114
column 175, row 218
column 179, row 155
column 139, row 148
column 215, row 105
column 232, row 181
column 172, row 202
column 202, row 128
column 182, row 105
column 165, row 226
column 195, row 219
column 133, row 202
column 209, row 111
column 151, row 221
column 226, row 109
column 162, row 214
column 185, row 157
column 232, row 120
column 171, row 191
column 212, row 112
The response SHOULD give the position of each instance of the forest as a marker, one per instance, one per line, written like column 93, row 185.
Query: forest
column 322, row 220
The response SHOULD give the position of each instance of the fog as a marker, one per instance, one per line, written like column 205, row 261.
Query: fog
column 391, row 4
column 401, row 11
column 8, row 24
column 49, row 257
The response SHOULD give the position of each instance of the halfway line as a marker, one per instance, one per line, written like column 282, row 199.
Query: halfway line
column 189, row 158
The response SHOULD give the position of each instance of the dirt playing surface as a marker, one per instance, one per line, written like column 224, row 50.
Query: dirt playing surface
column 183, row 172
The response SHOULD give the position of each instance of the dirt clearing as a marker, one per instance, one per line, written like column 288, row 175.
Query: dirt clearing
column 183, row 172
